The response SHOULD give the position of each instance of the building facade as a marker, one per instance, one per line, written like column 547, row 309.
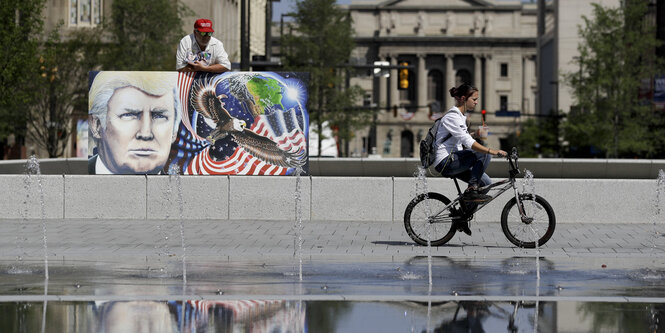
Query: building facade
column 558, row 41
column 489, row 44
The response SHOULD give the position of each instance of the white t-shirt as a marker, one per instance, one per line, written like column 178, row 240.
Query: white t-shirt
column 100, row 167
column 189, row 50
column 452, row 123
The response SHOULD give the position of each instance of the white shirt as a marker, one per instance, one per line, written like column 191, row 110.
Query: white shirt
column 100, row 167
column 454, row 123
column 188, row 47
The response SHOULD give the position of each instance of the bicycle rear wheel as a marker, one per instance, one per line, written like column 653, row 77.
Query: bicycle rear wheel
column 420, row 223
column 538, row 225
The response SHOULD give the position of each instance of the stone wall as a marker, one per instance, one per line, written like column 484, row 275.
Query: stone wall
column 323, row 198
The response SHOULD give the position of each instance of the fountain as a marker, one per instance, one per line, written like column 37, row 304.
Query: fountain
column 658, row 207
column 162, row 242
column 529, row 189
column 421, row 174
column 21, row 231
column 33, row 170
column 174, row 172
column 298, row 227
column 356, row 287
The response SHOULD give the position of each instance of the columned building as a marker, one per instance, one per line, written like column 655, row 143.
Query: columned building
column 489, row 44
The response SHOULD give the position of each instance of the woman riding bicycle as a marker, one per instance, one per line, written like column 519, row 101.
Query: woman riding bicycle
column 457, row 152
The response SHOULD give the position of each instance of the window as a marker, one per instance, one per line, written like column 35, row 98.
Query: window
column 504, row 69
column 406, row 144
column 462, row 76
column 367, row 100
column 435, row 85
column 85, row 12
column 503, row 102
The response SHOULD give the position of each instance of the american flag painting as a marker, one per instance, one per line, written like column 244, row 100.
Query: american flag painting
column 242, row 123
column 256, row 316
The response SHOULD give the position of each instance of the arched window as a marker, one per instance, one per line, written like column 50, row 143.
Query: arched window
column 462, row 76
column 406, row 144
column 435, row 85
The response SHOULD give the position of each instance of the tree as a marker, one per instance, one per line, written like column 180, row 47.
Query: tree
column 19, row 36
column 144, row 35
column 538, row 137
column 616, row 53
column 61, row 88
column 321, row 41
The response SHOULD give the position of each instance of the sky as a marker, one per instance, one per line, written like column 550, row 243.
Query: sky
column 285, row 6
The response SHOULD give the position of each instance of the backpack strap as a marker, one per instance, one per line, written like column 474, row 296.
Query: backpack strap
column 450, row 135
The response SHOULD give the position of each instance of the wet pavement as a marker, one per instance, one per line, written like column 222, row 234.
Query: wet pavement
column 353, row 273
column 351, row 259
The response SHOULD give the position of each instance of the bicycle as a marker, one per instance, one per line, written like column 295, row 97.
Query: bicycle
column 432, row 218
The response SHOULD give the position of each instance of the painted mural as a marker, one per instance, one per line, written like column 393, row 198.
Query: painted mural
column 244, row 123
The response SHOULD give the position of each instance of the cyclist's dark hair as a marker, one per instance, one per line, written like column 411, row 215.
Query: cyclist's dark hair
column 464, row 90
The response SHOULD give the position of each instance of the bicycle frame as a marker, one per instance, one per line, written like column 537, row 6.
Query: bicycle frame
column 500, row 187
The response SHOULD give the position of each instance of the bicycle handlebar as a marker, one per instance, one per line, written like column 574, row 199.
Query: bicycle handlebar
column 512, row 160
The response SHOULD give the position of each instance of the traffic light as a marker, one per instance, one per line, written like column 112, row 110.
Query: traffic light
column 403, row 76
column 483, row 113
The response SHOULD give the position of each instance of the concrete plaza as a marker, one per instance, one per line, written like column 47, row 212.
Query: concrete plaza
column 263, row 240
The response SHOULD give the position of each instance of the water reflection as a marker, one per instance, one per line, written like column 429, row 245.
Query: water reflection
column 275, row 316
column 625, row 317
column 148, row 316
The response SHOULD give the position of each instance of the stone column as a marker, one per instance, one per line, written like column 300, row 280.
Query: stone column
column 422, row 82
column 523, row 93
column 450, row 75
column 530, row 82
column 490, row 98
column 394, row 74
column 478, row 72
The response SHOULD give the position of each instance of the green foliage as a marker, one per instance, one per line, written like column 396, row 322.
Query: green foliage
column 144, row 35
column 61, row 88
column 538, row 137
column 621, row 317
column 617, row 52
column 19, row 36
column 321, row 40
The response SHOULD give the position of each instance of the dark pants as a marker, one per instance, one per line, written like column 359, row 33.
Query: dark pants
column 468, row 166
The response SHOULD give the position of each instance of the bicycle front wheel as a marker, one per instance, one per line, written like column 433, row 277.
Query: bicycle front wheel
column 422, row 222
column 537, row 224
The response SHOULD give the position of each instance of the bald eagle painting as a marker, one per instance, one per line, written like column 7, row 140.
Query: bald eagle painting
column 261, row 149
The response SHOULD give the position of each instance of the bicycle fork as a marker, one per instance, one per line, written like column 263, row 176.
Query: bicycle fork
column 520, row 205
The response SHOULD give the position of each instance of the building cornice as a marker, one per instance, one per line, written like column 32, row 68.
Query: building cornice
column 447, row 41
column 434, row 8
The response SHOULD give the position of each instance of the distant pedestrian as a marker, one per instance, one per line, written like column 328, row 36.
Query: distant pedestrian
column 200, row 52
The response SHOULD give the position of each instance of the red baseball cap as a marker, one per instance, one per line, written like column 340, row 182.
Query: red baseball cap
column 203, row 25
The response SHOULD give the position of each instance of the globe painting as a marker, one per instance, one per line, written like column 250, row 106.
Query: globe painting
column 252, row 123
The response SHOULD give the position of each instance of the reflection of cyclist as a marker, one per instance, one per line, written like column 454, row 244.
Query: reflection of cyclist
column 475, row 313
column 457, row 153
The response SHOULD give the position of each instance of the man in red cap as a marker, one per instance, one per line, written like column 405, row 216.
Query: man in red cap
column 200, row 52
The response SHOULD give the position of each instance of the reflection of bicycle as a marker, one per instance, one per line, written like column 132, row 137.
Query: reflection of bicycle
column 527, row 217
